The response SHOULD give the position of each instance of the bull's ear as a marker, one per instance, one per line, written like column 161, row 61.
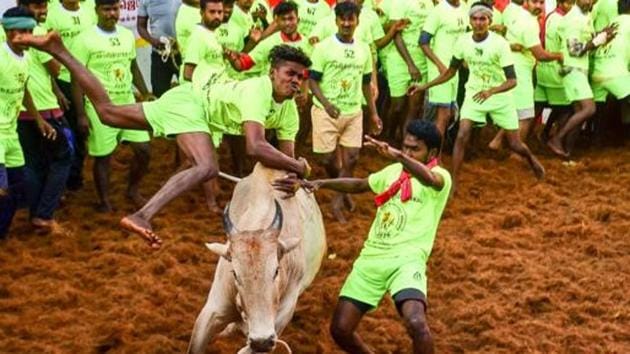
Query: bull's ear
column 284, row 245
column 220, row 249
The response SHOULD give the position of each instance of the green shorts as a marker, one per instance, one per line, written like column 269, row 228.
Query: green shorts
column 11, row 155
column 371, row 277
column 178, row 111
column 553, row 96
column 618, row 87
column 500, row 108
column 398, row 77
column 523, row 93
column 104, row 139
column 444, row 95
column 576, row 86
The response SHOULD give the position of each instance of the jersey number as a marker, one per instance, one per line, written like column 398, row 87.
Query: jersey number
column 115, row 42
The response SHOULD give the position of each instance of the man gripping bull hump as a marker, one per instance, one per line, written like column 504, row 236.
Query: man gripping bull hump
column 191, row 116
column 411, row 195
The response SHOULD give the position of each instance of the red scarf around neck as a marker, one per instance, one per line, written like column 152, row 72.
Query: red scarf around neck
column 402, row 184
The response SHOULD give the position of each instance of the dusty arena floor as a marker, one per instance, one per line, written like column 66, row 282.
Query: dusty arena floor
column 518, row 267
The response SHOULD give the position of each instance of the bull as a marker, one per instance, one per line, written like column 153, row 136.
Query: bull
column 261, row 271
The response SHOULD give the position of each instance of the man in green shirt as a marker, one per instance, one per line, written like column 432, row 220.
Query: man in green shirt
column 339, row 78
column 310, row 13
column 411, row 194
column 246, row 107
column 188, row 16
column 491, row 78
column 579, row 39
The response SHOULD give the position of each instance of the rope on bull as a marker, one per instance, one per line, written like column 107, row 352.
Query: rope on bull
column 229, row 177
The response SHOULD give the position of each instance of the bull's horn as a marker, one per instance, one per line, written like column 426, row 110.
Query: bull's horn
column 227, row 222
column 276, row 224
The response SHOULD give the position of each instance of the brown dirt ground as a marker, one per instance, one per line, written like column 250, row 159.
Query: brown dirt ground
column 518, row 266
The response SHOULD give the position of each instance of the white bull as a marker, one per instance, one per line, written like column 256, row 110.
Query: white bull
column 262, row 269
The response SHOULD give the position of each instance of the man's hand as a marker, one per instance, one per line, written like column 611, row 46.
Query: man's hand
column 306, row 168
column 290, row 184
column 46, row 130
column 517, row 47
column 383, row 148
column 376, row 125
column 259, row 13
column 414, row 72
column 441, row 68
column 399, row 25
column 255, row 34
column 332, row 110
column 414, row 89
column 482, row 96
column 313, row 40
column 156, row 43
column 148, row 96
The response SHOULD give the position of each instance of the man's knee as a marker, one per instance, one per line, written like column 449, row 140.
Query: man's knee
column 339, row 332
column 416, row 324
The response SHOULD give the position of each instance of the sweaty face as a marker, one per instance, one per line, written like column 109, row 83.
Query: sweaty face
column 287, row 23
column 212, row 15
column 287, row 78
column 39, row 10
column 415, row 148
column 479, row 23
column 347, row 24
column 108, row 15
column 536, row 7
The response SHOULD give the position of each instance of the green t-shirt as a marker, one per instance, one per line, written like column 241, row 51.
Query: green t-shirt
column 575, row 26
column 522, row 29
column 3, row 36
column 310, row 14
column 39, row 82
column 548, row 72
column 13, row 76
column 185, row 21
column 260, row 54
column 497, row 16
column 242, row 20
column 486, row 60
column 343, row 66
column 612, row 61
column 230, row 104
column 69, row 24
column 405, row 228
column 416, row 12
column 204, row 51
column 108, row 55
column 232, row 38
column 368, row 30
column 603, row 13
column 446, row 23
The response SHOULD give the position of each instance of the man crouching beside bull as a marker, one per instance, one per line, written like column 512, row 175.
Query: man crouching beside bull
column 411, row 195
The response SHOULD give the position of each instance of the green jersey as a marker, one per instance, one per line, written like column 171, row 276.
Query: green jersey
column 415, row 11
column 446, row 24
column 3, row 36
column 486, row 60
column 204, row 51
column 13, row 76
column 522, row 29
column 39, row 82
column 185, row 21
column 310, row 14
column 260, row 53
column 548, row 72
column 69, row 24
column 229, row 105
column 575, row 27
column 611, row 61
column 604, row 12
column 232, row 38
column 343, row 66
column 108, row 55
column 241, row 20
column 368, row 30
column 406, row 228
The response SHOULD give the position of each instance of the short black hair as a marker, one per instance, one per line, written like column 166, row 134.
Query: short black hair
column 105, row 2
column 203, row 3
column 481, row 3
column 18, row 11
column 285, row 8
column 347, row 8
column 426, row 131
column 228, row 2
column 283, row 52
column 623, row 6
column 28, row 2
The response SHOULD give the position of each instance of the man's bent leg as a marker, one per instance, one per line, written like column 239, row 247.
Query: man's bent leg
column 200, row 151
column 516, row 145
column 137, row 170
column 413, row 313
column 346, row 318
column 461, row 142
column 100, row 172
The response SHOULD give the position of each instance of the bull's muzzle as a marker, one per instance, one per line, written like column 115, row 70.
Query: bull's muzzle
column 263, row 345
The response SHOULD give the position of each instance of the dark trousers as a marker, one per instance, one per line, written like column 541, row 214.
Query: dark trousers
column 75, row 180
column 48, row 164
column 9, row 203
column 162, row 73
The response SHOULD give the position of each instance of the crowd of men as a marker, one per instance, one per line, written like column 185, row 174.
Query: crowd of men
column 261, row 77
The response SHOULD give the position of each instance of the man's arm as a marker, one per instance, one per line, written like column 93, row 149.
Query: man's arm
column 138, row 80
column 542, row 55
column 53, row 67
column 45, row 129
column 287, row 147
column 314, row 77
column 189, row 69
column 442, row 78
column 393, row 28
column 507, row 85
column 143, row 31
column 425, row 40
column 258, row 148
column 375, row 120
column 79, row 106
column 290, row 185
column 404, row 53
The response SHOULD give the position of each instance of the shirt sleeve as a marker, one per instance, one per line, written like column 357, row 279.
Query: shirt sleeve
column 380, row 181
column 194, row 50
column 290, row 122
column 531, row 36
column 142, row 9
column 433, row 21
column 367, row 66
column 505, row 54
column 318, row 60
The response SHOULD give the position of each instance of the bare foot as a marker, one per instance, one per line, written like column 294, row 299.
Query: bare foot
column 141, row 227
column 495, row 144
column 538, row 169
column 556, row 147
column 50, row 43
column 337, row 204
column 42, row 224
column 349, row 203
column 136, row 199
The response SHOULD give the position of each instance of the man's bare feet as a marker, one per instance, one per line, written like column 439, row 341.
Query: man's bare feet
column 337, row 205
column 538, row 169
column 141, row 227
column 556, row 147
column 51, row 42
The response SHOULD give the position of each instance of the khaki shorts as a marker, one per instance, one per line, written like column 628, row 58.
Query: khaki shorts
column 347, row 130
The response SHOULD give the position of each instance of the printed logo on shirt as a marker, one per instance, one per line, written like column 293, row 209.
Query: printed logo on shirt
column 348, row 53
column 114, row 42
column 392, row 220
